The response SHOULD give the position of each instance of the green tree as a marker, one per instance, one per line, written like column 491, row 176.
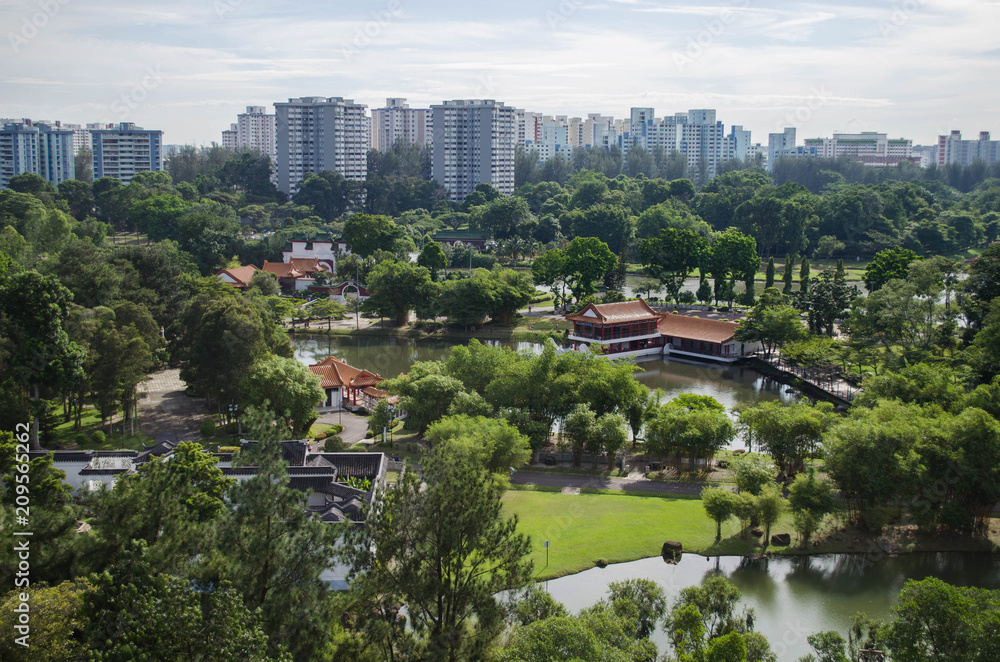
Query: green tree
column 329, row 194
column 433, row 258
column 720, row 504
column 889, row 264
column 33, row 312
column 505, row 217
column 769, row 274
column 493, row 444
column 266, row 283
column 55, row 620
column 426, row 396
column 672, row 257
column 810, row 499
column 289, row 387
column 585, row 260
column 789, row 433
column 366, row 234
column 274, row 554
column 581, row 427
column 804, row 277
column 752, row 472
column 771, row 505
column 444, row 551
column 133, row 614
column 397, row 288
column 786, row 275
column 934, row 620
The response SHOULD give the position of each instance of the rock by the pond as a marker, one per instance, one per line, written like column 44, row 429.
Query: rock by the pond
column 672, row 551
column 756, row 532
column 781, row 539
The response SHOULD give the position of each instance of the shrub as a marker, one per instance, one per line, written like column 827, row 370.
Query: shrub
column 334, row 445
column 230, row 428
column 357, row 448
column 336, row 429
column 98, row 436
column 81, row 438
column 361, row 411
column 321, row 436
column 207, row 427
column 229, row 449
column 687, row 298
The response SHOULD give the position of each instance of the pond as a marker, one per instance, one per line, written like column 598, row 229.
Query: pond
column 792, row 597
column 390, row 357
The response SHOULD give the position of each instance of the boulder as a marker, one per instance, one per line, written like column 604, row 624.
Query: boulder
column 781, row 539
column 756, row 532
column 672, row 551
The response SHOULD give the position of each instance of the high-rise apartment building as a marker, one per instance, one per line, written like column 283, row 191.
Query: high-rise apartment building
column 555, row 140
column 81, row 136
column 320, row 133
column 397, row 122
column 473, row 143
column 780, row 144
column 255, row 129
column 869, row 147
column 121, row 150
column 952, row 149
column 229, row 137
column 44, row 149
column 528, row 126
column 696, row 134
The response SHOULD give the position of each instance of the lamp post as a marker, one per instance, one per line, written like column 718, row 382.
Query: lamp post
column 233, row 409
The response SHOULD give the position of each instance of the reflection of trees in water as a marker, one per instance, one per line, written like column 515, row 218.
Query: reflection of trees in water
column 753, row 577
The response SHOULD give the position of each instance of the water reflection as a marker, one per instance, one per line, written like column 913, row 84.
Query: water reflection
column 792, row 596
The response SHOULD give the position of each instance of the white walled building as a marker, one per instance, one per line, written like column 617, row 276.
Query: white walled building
column 121, row 150
column 44, row 149
column 319, row 133
column 398, row 122
column 473, row 143
column 555, row 139
column 780, row 144
column 257, row 129
column 952, row 149
column 229, row 137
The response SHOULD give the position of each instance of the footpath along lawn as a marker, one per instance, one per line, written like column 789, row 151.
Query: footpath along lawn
column 584, row 528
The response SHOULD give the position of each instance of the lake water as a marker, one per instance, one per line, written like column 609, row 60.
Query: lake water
column 390, row 357
column 792, row 597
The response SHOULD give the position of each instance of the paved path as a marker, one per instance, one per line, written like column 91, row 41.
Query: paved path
column 354, row 426
column 167, row 414
column 634, row 483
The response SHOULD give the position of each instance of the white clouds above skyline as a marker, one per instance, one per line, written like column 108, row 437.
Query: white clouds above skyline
column 912, row 68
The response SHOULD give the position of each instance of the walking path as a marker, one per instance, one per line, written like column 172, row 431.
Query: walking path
column 633, row 483
column 167, row 413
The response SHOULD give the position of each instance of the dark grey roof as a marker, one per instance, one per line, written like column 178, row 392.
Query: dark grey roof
column 121, row 453
column 309, row 483
column 358, row 465
column 223, row 457
column 159, row 450
column 61, row 456
column 292, row 452
column 103, row 472
column 343, row 491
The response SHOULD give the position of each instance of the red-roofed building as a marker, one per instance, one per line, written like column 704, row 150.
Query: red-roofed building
column 346, row 385
column 325, row 251
column 631, row 328
column 238, row 277
column 297, row 273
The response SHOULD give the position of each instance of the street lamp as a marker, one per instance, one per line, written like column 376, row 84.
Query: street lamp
column 233, row 410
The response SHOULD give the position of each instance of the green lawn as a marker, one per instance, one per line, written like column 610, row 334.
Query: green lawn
column 614, row 527
column 66, row 434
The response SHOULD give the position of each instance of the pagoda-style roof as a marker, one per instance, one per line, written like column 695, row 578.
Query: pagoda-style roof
column 615, row 313
column 336, row 373
column 240, row 276
column 296, row 267
column 696, row 328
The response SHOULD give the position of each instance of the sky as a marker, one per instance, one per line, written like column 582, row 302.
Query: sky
column 910, row 68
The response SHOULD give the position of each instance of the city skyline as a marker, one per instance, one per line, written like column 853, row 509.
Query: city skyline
column 913, row 68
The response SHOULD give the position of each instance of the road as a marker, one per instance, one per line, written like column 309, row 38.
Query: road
column 632, row 483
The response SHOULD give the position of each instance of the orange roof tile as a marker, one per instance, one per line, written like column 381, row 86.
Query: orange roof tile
column 334, row 372
column 308, row 265
column 613, row 313
column 282, row 269
column 696, row 328
column 241, row 275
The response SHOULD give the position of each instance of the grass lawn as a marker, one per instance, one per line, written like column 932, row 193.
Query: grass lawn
column 615, row 527
column 543, row 324
column 66, row 434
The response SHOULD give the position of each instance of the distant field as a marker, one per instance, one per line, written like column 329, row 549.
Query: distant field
column 614, row 527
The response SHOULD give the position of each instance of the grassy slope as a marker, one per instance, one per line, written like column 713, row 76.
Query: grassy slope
column 614, row 527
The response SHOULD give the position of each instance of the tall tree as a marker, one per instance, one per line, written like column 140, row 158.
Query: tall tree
column 444, row 551
column 672, row 257
column 399, row 287
column 33, row 312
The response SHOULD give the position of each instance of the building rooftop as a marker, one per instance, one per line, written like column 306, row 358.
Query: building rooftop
column 613, row 313
column 696, row 328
